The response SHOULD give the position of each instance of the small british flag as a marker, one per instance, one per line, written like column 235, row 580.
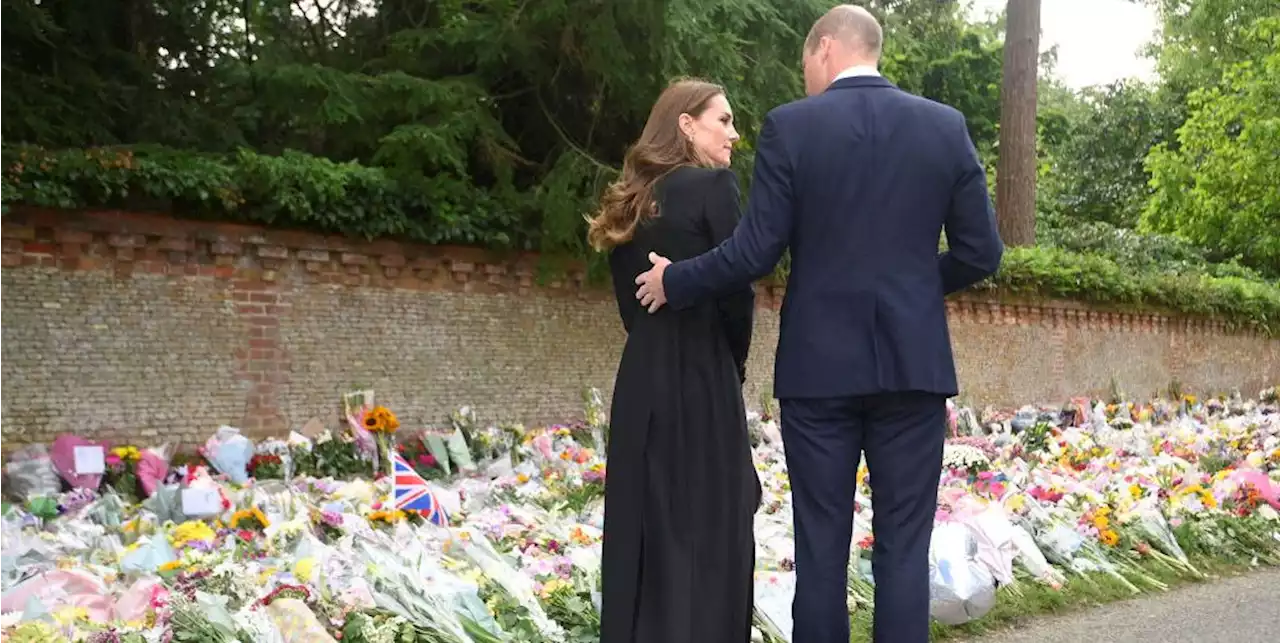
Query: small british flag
column 412, row 493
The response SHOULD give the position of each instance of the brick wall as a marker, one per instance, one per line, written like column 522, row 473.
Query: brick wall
column 132, row 326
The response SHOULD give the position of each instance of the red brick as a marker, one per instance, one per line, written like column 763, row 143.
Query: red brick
column 37, row 248
column 353, row 259
column 273, row 252
column 175, row 244
column 63, row 235
column 126, row 240
column 13, row 231
column 223, row 247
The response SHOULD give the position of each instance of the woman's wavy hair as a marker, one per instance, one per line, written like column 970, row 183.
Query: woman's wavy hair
column 662, row 148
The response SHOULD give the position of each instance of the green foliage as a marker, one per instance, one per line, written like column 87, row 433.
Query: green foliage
column 1055, row 272
column 1137, row 251
column 1097, row 140
column 294, row 190
column 1218, row 188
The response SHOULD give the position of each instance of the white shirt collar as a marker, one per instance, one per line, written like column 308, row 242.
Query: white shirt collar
column 857, row 70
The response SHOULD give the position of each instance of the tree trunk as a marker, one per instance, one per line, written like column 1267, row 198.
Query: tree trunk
column 1016, row 168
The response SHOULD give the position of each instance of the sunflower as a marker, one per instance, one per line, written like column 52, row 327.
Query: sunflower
column 249, row 519
column 1109, row 538
column 380, row 419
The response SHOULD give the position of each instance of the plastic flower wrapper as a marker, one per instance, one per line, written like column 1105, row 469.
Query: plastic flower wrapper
column 29, row 473
column 1031, row 558
column 1151, row 526
column 960, row 588
column 147, row 556
column 229, row 452
column 166, row 504
column 773, row 593
column 481, row 553
column 152, row 468
column 277, row 500
column 413, row 585
column 106, row 511
column 257, row 624
column 63, row 455
column 994, row 538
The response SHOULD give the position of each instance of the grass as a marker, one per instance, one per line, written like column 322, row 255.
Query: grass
column 1027, row 600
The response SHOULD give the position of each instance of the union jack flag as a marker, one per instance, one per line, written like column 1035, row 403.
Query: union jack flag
column 412, row 493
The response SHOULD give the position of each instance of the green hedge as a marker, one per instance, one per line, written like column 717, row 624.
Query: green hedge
column 300, row 191
column 1054, row 272
column 293, row 190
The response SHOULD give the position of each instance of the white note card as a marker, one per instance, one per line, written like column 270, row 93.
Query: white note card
column 90, row 460
column 201, row 502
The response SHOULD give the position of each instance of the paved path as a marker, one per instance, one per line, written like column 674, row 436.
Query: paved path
column 1244, row 609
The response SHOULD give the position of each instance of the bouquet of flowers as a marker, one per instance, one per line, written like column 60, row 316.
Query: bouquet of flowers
column 266, row 466
column 121, row 471
column 380, row 422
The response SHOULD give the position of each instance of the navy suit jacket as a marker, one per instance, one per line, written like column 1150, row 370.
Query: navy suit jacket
column 859, row 181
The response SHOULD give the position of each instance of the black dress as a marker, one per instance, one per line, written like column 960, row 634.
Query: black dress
column 681, row 491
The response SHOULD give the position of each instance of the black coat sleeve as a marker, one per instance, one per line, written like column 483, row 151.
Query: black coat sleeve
column 737, row 309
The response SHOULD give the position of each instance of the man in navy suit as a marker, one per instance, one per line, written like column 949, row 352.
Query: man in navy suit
column 859, row 180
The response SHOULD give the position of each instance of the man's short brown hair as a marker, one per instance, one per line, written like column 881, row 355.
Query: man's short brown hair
column 850, row 24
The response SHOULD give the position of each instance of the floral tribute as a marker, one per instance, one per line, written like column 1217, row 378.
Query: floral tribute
column 296, row 538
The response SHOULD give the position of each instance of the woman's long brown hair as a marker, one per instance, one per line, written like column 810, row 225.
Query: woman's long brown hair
column 661, row 149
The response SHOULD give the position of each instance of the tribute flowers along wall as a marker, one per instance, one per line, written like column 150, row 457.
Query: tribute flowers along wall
column 133, row 327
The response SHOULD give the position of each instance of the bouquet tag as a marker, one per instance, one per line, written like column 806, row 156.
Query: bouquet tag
column 90, row 460
column 201, row 502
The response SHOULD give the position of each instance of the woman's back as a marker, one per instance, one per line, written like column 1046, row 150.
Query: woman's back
column 681, row 490
column 679, row 231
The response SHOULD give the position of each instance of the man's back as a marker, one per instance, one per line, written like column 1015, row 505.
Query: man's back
column 876, row 173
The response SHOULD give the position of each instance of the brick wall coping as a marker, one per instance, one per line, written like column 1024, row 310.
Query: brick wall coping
column 131, row 242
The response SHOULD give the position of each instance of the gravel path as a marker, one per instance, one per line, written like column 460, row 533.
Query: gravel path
column 1244, row 609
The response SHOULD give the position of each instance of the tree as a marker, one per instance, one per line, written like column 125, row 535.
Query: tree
column 1218, row 187
column 1094, row 169
column 1016, row 169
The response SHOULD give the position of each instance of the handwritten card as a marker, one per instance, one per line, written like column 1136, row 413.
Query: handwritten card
column 90, row 460
column 201, row 502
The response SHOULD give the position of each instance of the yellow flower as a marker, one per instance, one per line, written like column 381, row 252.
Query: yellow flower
column 1208, row 500
column 1101, row 522
column 170, row 566
column 523, row 478
column 1135, row 490
column 70, row 615
column 551, row 586
column 245, row 515
column 1016, row 502
column 1109, row 538
column 190, row 531
column 304, row 568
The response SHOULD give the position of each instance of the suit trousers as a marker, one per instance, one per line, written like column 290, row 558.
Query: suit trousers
column 902, row 435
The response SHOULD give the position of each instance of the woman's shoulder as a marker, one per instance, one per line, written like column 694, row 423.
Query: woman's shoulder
column 694, row 179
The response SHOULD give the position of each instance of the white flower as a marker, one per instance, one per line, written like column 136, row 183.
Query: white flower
column 963, row 456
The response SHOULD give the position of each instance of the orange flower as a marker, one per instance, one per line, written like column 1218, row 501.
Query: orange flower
column 1109, row 538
